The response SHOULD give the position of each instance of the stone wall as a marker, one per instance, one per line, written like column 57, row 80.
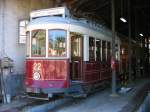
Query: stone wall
column 11, row 11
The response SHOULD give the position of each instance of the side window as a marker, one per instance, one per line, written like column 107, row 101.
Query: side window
column 38, row 44
column 91, row 49
column 117, row 52
column 98, row 49
column 108, row 51
column 103, row 50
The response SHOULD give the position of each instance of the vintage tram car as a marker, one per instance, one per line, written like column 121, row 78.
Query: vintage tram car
column 66, row 55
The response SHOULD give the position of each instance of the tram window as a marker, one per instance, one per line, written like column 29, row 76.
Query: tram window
column 38, row 43
column 76, row 41
column 98, row 49
column 91, row 48
column 108, row 51
column 103, row 50
column 117, row 52
column 57, row 42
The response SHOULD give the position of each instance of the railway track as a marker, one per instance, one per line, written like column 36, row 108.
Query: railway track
column 29, row 104
column 36, row 104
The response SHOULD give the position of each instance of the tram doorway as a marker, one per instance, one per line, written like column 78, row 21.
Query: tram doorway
column 76, row 56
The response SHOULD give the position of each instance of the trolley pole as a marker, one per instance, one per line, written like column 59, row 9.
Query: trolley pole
column 129, row 39
column 114, row 93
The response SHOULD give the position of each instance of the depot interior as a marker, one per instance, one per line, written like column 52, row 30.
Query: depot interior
column 131, row 20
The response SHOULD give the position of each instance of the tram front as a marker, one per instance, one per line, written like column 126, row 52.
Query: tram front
column 47, row 62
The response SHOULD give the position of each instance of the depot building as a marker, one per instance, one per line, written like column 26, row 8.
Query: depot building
column 14, row 16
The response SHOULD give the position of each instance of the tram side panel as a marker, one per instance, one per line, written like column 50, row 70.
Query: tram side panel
column 91, row 71
column 96, row 71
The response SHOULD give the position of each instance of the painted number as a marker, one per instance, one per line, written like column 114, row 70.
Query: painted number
column 37, row 67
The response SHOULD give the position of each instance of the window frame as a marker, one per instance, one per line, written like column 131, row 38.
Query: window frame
column 28, row 44
column 22, row 31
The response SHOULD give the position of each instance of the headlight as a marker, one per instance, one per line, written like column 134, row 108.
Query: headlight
column 36, row 76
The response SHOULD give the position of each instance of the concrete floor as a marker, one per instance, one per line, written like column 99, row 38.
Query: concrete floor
column 98, row 102
column 101, row 101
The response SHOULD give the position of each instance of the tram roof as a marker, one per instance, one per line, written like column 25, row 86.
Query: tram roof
column 51, row 20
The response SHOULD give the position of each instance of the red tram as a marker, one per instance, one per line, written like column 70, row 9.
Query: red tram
column 65, row 55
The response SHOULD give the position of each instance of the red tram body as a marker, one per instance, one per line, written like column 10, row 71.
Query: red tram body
column 63, row 53
column 54, row 73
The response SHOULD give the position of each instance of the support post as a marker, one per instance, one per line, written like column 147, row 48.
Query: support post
column 113, row 49
column 147, row 49
column 129, row 39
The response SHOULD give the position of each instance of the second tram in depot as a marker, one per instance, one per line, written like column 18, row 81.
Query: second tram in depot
column 65, row 55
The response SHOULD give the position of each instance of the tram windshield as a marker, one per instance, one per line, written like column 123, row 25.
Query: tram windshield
column 38, row 43
column 57, row 42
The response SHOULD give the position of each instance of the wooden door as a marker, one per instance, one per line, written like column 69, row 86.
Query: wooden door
column 76, row 56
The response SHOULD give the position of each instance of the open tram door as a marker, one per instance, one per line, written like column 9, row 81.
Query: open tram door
column 76, row 56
